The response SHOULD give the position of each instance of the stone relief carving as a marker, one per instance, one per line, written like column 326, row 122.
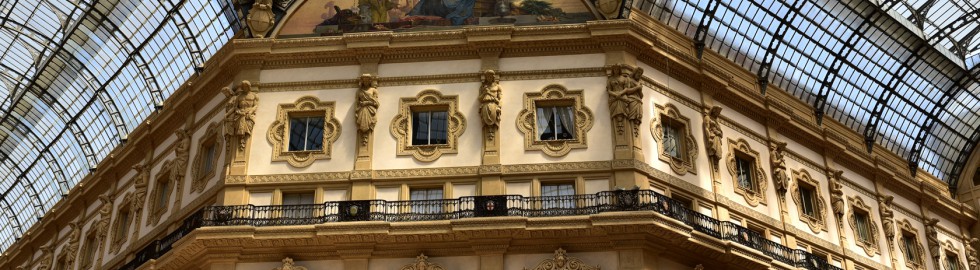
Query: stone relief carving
column 559, row 95
column 712, row 133
column 887, row 216
column 279, row 131
column 260, row 18
column 625, row 96
column 367, row 106
column 777, row 161
column 71, row 250
column 755, row 196
column 836, row 192
column 932, row 238
column 240, row 112
column 562, row 261
column 915, row 262
column 422, row 263
column 105, row 215
column 401, row 125
column 816, row 223
column 287, row 264
column 490, row 96
column 689, row 147
column 200, row 178
column 181, row 156
column 971, row 253
column 871, row 245
column 47, row 258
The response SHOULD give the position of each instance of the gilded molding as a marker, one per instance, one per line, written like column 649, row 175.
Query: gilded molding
column 561, row 261
column 556, row 167
column 688, row 162
column 422, row 263
column 527, row 120
column 757, row 194
column 279, row 131
column 297, row 178
column 917, row 262
column 871, row 245
column 201, row 178
column 401, row 125
column 818, row 222
column 427, row 172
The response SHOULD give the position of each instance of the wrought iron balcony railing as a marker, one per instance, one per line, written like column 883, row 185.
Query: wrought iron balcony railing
column 479, row 206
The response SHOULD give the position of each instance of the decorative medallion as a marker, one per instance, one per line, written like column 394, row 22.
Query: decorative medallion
column 422, row 263
column 287, row 264
column 562, row 261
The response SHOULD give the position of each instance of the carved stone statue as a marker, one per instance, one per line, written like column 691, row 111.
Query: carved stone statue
column 777, row 161
column 367, row 106
column 625, row 95
column 71, row 250
column 105, row 215
column 287, row 264
column 490, row 95
column 836, row 192
column 240, row 112
column 47, row 258
column 422, row 263
column 142, row 180
column 182, row 152
column 561, row 261
column 712, row 132
column 260, row 18
column 932, row 238
column 887, row 216
column 971, row 253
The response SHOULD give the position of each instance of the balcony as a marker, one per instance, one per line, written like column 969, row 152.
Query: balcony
column 479, row 206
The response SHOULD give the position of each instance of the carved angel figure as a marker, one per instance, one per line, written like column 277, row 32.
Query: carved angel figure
column 490, row 95
column 887, row 216
column 713, row 133
column 836, row 192
column 778, row 163
column 367, row 104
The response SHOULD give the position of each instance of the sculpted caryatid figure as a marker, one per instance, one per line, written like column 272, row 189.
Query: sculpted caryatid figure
column 490, row 95
column 367, row 106
column 141, row 183
column 105, row 214
column 971, row 254
column 625, row 96
column 240, row 112
column 182, row 151
column 713, row 134
column 71, row 251
column 777, row 161
column 887, row 216
column 47, row 258
column 932, row 238
column 836, row 192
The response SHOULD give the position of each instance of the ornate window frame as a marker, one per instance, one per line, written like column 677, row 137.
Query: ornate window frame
column 752, row 197
column 278, row 133
column 124, row 207
column 554, row 94
column 905, row 227
column 211, row 138
column 949, row 248
column 684, row 165
column 89, row 250
column 816, row 223
column 871, row 246
column 401, row 125
column 157, row 211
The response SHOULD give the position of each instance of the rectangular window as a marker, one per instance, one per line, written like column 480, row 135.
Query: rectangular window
column 61, row 263
column 429, row 200
column 88, row 251
column 305, row 133
column 123, row 225
column 210, row 151
column 163, row 194
column 558, row 195
column 743, row 171
column 808, row 199
column 863, row 226
column 911, row 253
column 556, row 123
column 429, row 127
column 952, row 262
column 297, row 204
column 673, row 138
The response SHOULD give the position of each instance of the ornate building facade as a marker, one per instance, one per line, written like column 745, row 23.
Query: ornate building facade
column 593, row 144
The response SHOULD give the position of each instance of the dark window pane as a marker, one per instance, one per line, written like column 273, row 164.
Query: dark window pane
column 438, row 128
column 314, row 134
column 564, row 122
column 420, row 128
column 297, row 134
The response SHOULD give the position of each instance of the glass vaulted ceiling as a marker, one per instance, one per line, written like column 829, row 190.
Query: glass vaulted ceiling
column 76, row 76
column 902, row 72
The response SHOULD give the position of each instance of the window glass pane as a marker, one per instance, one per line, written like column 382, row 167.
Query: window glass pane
column 297, row 134
column 546, row 123
column 297, row 198
column 564, row 123
column 314, row 133
column 907, row 240
column 431, row 200
column 861, row 222
column 420, row 126
column 744, row 173
column 671, row 143
column 123, row 224
column 806, row 200
column 438, row 128
column 209, row 159
column 565, row 191
column 952, row 262
column 162, row 194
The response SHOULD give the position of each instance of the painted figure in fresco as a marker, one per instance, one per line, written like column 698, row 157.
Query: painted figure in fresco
column 456, row 11
column 376, row 10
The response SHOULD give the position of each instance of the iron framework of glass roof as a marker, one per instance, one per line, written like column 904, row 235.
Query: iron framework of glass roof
column 77, row 76
column 902, row 72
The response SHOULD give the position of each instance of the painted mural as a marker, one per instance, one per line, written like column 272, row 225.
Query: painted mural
column 333, row 17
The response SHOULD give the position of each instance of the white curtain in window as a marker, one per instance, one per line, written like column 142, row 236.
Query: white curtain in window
column 545, row 114
column 670, row 140
column 567, row 117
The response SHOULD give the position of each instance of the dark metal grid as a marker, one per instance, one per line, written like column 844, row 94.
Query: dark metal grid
column 75, row 78
column 853, row 62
